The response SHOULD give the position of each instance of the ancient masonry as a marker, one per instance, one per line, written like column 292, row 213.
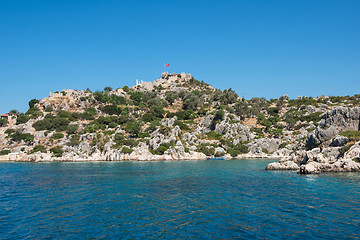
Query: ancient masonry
column 165, row 80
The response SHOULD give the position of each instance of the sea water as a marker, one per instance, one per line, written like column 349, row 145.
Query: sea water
column 175, row 200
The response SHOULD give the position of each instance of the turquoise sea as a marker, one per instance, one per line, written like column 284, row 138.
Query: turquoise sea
column 235, row 199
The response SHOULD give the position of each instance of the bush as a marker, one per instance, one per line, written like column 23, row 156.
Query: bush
column 9, row 131
column 74, row 140
column 71, row 129
column 32, row 102
column 162, row 148
column 136, row 97
column 182, row 125
column 108, row 89
column 39, row 148
column 133, row 127
column 22, row 118
column 26, row 137
column 112, row 125
column 57, row 151
column 144, row 134
column 112, row 109
column 48, row 109
column 4, row 152
column 91, row 128
column 52, row 123
column 344, row 149
column 351, row 135
column 33, row 112
column 148, row 117
column 237, row 149
column 213, row 135
column 185, row 115
column 126, row 89
column 126, row 150
column 3, row 121
column 57, row 136
column 208, row 150
column 157, row 111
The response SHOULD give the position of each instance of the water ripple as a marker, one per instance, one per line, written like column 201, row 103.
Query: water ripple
column 175, row 200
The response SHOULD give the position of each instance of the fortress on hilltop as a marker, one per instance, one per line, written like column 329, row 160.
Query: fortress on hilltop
column 166, row 80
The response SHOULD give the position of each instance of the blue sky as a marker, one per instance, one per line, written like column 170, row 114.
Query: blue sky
column 259, row 48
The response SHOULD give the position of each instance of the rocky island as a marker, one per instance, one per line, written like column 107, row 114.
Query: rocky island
column 177, row 117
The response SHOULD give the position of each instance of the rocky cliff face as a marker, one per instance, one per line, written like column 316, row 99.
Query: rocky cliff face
column 327, row 151
column 333, row 122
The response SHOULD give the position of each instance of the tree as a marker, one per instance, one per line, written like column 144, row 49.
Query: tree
column 15, row 112
column 71, row 129
column 126, row 88
column 133, row 127
column 170, row 97
column 32, row 102
column 57, row 151
column 108, row 89
column 229, row 96
column 3, row 121
column 112, row 109
column 157, row 111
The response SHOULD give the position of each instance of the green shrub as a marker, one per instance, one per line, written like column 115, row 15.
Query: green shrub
column 126, row 150
column 112, row 125
column 4, row 152
column 57, row 151
column 182, row 125
column 162, row 148
column 207, row 149
column 32, row 102
column 107, row 89
column 9, row 131
column 126, row 89
column 74, row 140
column 71, row 129
column 148, row 117
column 356, row 160
column 112, row 109
column 133, row 127
column 22, row 118
column 48, row 109
column 153, row 125
column 213, row 135
column 26, row 137
column 143, row 134
column 344, row 149
column 33, row 113
column 264, row 150
column 3, row 122
column 57, row 136
column 91, row 128
column 351, row 135
column 237, row 149
column 52, row 123
column 39, row 148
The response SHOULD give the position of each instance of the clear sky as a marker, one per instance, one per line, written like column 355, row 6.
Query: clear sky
column 257, row 47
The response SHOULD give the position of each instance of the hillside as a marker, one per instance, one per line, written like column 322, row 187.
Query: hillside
column 178, row 117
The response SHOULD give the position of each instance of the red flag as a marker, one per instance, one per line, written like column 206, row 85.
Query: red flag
column 167, row 65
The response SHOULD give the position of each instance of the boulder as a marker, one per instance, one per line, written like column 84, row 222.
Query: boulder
column 339, row 141
column 287, row 165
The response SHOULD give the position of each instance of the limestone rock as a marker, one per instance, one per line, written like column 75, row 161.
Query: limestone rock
column 339, row 141
column 287, row 165
column 270, row 144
